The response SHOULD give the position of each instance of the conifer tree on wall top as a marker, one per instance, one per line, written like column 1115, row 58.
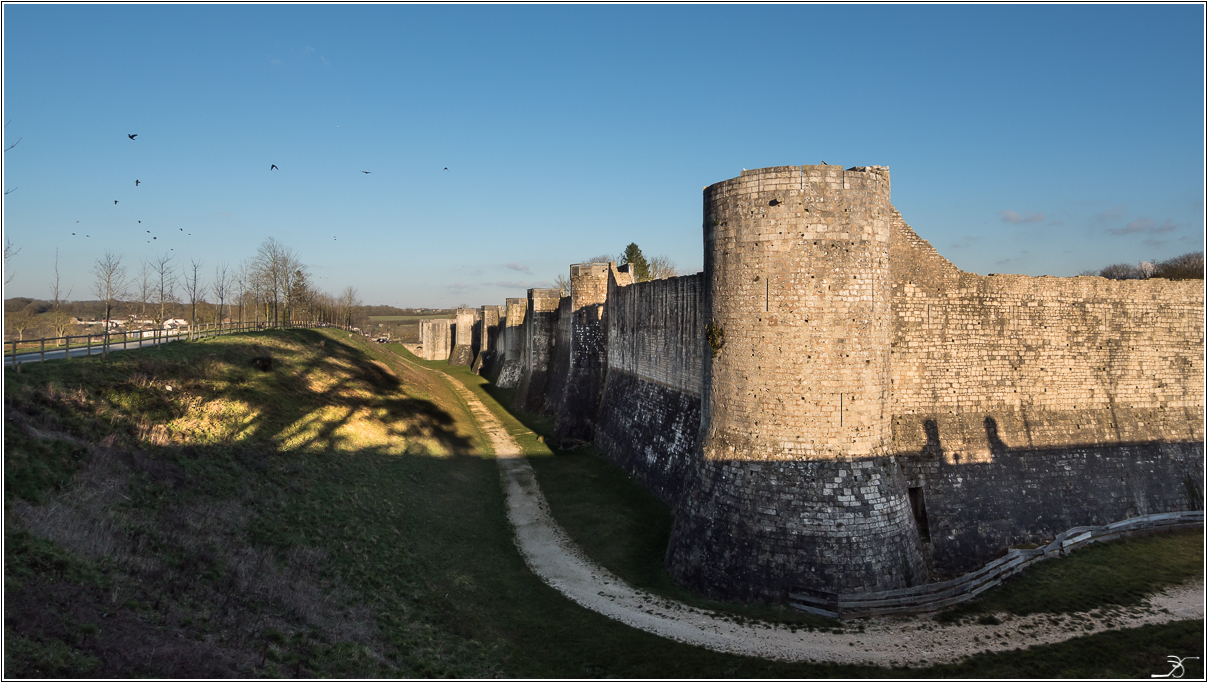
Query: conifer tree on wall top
column 633, row 255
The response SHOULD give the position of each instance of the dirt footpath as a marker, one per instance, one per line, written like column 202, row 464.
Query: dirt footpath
column 883, row 641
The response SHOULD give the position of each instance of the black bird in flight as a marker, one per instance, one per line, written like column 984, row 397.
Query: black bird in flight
column 446, row 168
column 273, row 168
column 136, row 182
column 132, row 135
column 154, row 238
column 366, row 171
column 148, row 232
column 73, row 233
column 139, row 221
column 182, row 229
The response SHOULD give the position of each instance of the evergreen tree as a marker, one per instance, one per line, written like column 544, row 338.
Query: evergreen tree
column 633, row 255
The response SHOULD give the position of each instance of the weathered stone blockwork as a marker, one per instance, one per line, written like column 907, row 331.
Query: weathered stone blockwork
column 540, row 329
column 435, row 336
column 650, row 410
column 794, row 418
column 834, row 406
column 464, row 338
column 512, row 365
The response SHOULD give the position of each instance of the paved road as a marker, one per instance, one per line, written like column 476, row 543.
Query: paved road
column 84, row 350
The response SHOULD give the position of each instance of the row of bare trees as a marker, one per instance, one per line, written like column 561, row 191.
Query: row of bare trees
column 273, row 286
column 1189, row 266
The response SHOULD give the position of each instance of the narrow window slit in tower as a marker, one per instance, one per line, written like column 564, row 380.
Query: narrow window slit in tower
column 767, row 294
column 919, row 507
column 840, row 410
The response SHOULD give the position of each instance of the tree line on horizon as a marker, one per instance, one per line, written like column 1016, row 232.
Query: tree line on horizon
column 272, row 286
column 1189, row 266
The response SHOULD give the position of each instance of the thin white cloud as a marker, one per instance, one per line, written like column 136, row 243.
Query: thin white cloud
column 1013, row 217
column 517, row 266
column 1144, row 225
column 458, row 287
column 1111, row 214
column 324, row 60
column 516, row 284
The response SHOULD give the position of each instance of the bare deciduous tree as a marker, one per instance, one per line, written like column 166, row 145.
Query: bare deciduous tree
column 109, row 284
column 165, row 290
column 196, row 289
column 661, row 268
column 222, row 279
column 562, row 283
column 59, row 320
column 19, row 322
column 145, row 286
column 349, row 300
column 10, row 252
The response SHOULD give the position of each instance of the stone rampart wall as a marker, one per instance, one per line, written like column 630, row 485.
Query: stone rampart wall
column 875, row 417
column 650, row 410
column 436, row 337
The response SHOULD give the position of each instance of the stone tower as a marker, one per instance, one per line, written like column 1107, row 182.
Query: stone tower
column 794, row 487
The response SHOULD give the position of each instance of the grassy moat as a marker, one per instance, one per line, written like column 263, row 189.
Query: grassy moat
column 177, row 512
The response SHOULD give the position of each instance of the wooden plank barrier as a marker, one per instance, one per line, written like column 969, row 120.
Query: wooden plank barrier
column 935, row 596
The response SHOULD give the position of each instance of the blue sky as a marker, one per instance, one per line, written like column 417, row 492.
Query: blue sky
column 1030, row 139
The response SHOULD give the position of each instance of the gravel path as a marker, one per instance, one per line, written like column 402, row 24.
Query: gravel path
column 884, row 641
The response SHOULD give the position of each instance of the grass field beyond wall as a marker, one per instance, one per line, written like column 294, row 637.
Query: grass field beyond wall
column 177, row 512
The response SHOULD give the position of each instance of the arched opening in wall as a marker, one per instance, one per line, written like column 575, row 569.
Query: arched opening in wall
column 919, row 507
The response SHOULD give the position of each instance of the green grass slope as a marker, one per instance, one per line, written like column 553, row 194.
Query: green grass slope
column 178, row 512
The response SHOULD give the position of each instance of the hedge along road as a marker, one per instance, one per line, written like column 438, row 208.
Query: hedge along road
column 882, row 641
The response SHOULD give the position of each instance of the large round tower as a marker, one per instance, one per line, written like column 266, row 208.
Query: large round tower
column 794, row 487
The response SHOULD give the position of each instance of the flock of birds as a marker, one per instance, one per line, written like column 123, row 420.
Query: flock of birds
column 137, row 182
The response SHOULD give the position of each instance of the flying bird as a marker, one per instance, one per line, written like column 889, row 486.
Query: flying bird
column 132, row 135
column 115, row 201
column 446, row 168
column 148, row 232
column 366, row 171
column 73, row 233
column 136, row 182
column 825, row 164
column 273, row 168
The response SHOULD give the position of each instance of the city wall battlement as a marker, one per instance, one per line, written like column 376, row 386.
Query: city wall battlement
column 832, row 405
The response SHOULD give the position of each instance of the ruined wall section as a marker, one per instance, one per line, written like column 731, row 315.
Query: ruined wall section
column 649, row 415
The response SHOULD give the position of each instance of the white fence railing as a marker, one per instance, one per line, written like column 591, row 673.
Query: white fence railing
column 33, row 350
column 935, row 596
